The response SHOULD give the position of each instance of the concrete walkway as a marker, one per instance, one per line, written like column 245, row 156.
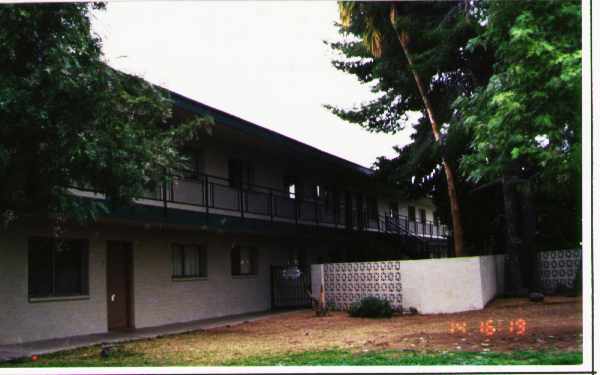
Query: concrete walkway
column 17, row 351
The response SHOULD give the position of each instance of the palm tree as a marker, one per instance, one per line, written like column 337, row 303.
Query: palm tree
column 376, row 18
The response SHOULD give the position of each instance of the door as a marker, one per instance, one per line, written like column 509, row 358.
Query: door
column 118, row 285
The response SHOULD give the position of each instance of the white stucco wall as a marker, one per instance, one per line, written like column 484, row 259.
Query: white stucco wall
column 157, row 298
column 492, row 276
column 22, row 321
column 435, row 286
column 442, row 286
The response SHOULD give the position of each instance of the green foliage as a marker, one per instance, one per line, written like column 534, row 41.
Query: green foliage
column 505, row 78
column 371, row 307
column 439, row 32
column 67, row 119
column 529, row 113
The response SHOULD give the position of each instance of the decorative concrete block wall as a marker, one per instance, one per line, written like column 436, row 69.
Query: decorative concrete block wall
column 345, row 283
column 558, row 267
column 432, row 286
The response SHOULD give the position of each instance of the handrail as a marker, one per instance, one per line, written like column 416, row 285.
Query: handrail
column 216, row 192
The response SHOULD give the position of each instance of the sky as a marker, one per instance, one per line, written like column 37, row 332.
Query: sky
column 265, row 62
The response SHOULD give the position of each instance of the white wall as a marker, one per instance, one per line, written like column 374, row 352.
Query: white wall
column 157, row 298
column 492, row 276
column 22, row 320
column 442, row 286
column 435, row 286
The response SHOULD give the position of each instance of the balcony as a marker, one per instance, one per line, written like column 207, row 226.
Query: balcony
column 216, row 195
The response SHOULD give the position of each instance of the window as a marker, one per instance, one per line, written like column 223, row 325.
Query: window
column 393, row 209
column 289, row 184
column 188, row 261
column 317, row 191
column 436, row 218
column 244, row 260
column 194, row 165
column 58, row 267
column 411, row 213
column 241, row 173
column 372, row 210
column 423, row 216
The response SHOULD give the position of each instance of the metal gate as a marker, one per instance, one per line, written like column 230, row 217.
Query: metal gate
column 289, row 293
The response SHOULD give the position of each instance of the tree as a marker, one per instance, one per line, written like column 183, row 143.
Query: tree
column 526, row 121
column 68, row 119
column 436, row 64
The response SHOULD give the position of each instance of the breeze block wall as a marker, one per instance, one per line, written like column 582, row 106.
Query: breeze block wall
column 432, row 286
column 558, row 268
column 345, row 283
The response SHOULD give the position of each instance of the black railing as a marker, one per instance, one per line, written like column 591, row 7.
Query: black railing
column 207, row 193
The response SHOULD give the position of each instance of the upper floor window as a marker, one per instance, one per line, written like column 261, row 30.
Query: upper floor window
column 241, row 173
column 193, row 165
column 244, row 260
column 423, row 216
column 290, row 184
column 393, row 209
column 436, row 218
column 317, row 191
column 412, row 216
column 57, row 267
column 372, row 210
column 188, row 261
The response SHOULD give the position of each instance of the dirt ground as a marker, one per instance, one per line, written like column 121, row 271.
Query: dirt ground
column 555, row 324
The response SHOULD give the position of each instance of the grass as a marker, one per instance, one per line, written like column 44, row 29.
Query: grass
column 335, row 357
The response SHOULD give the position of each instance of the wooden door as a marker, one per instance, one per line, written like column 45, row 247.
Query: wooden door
column 118, row 285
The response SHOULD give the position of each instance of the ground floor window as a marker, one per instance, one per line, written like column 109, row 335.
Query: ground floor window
column 244, row 260
column 189, row 261
column 57, row 267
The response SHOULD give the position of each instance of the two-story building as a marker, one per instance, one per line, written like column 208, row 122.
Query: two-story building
column 210, row 244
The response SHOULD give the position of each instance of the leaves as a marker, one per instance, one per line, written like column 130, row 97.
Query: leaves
column 67, row 119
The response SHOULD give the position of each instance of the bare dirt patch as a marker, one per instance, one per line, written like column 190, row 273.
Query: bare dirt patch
column 555, row 324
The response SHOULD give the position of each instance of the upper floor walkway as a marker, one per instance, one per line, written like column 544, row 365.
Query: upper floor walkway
column 335, row 209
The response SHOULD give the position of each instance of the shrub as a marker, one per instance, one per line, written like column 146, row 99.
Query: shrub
column 371, row 307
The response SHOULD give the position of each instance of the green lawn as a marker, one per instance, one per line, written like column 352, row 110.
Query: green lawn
column 121, row 357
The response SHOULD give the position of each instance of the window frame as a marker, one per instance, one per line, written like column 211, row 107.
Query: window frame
column 412, row 213
column 423, row 216
column 202, row 260
column 83, row 247
column 235, row 257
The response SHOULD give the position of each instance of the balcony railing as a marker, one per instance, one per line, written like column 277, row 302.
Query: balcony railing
column 217, row 195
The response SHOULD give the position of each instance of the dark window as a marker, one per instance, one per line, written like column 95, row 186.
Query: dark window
column 241, row 173
column 423, row 216
column 193, row 166
column 189, row 261
column 244, row 260
column 372, row 210
column 436, row 218
column 411, row 213
column 58, row 267
column 393, row 206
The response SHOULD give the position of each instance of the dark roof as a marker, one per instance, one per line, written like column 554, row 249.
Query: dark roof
column 248, row 127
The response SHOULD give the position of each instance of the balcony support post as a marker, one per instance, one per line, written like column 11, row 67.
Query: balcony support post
column 164, row 197
column 271, row 204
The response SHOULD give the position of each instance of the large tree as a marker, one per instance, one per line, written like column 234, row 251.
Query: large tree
column 414, row 55
column 68, row 119
column 526, row 121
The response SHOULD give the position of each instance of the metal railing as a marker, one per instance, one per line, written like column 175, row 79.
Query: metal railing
column 213, row 193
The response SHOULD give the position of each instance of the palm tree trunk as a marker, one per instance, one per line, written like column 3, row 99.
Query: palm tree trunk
column 452, row 196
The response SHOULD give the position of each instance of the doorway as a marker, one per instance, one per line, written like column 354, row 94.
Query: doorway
column 118, row 285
